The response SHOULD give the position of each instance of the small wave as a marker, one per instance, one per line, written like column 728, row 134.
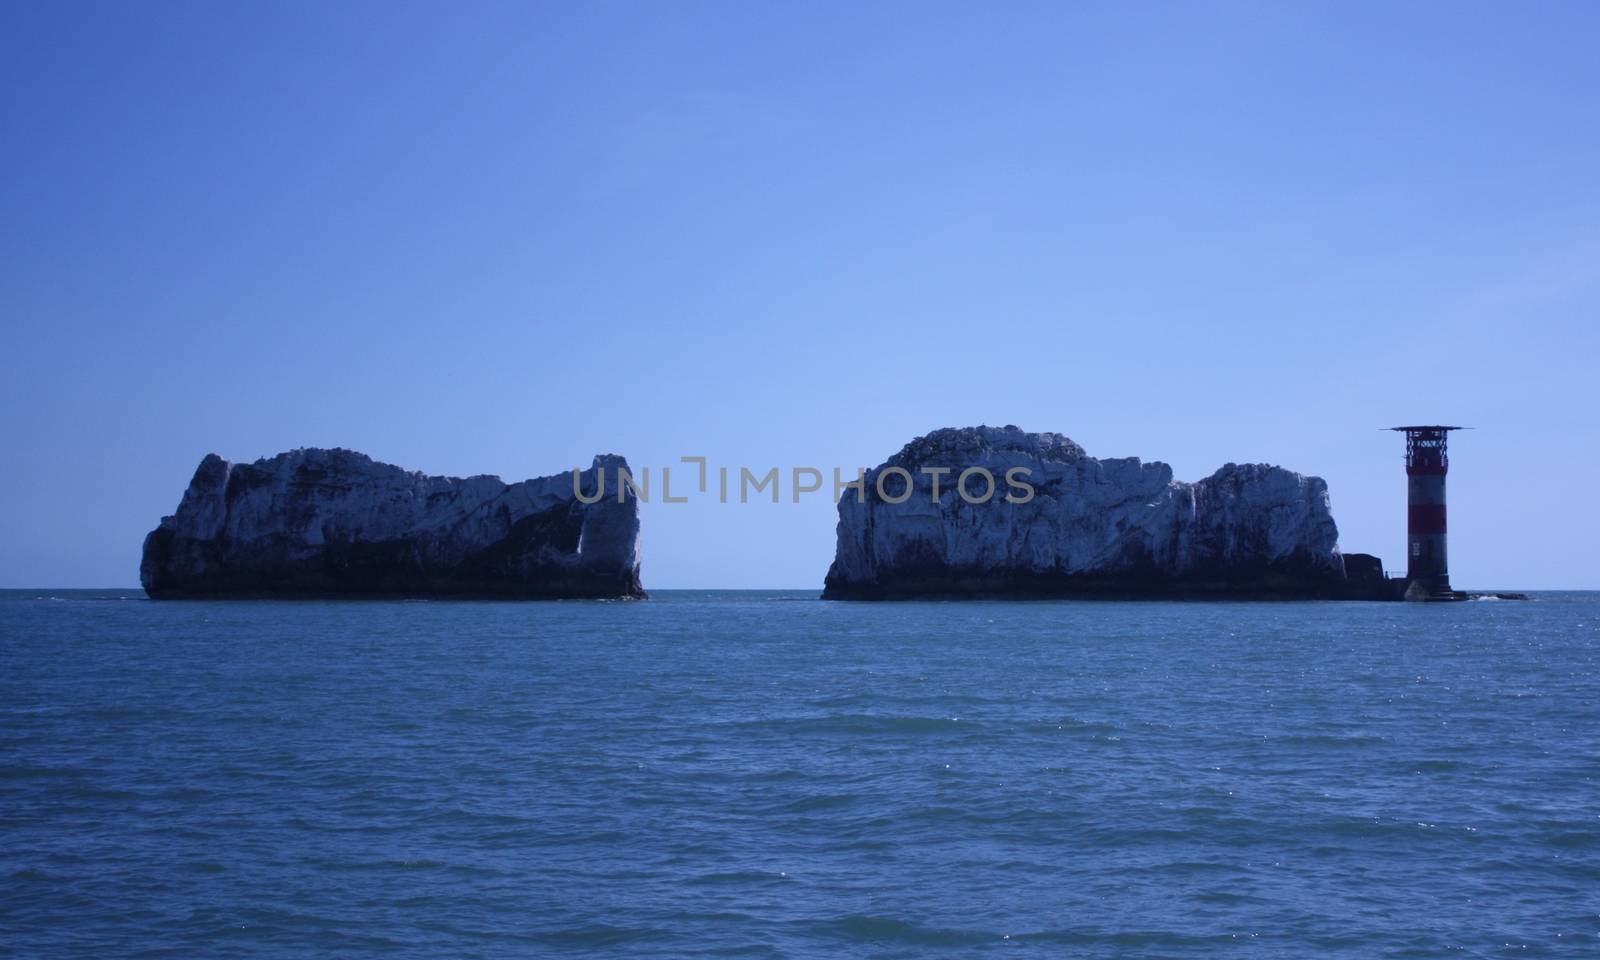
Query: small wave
column 601, row 935
column 739, row 878
column 1431, row 765
column 1573, row 839
column 28, row 772
column 1328, row 740
column 1225, row 897
column 858, row 723
column 823, row 801
column 869, row 929
column 203, row 867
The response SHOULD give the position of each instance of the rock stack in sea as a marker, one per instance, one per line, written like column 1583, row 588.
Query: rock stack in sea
column 335, row 523
column 1091, row 528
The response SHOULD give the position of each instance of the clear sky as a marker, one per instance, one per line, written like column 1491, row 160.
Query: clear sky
column 486, row 238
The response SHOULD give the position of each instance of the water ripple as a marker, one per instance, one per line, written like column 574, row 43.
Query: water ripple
column 723, row 775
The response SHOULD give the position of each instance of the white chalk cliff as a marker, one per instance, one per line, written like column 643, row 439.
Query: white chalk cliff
column 1115, row 527
column 316, row 522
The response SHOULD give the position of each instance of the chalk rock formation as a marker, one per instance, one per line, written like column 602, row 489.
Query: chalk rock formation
column 337, row 523
column 1091, row 528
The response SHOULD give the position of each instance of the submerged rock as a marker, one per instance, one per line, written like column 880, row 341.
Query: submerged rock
column 1106, row 528
column 335, row 523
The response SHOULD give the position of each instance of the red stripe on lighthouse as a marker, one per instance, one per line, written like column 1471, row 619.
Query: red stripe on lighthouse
column 1426, row 518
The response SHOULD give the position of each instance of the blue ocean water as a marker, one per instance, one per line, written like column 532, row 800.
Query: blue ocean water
column 761, row 774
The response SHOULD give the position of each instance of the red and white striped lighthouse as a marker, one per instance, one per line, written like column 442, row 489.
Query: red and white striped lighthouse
column 1427, row 561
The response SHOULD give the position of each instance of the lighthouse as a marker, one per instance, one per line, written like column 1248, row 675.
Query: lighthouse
column 1427, row 562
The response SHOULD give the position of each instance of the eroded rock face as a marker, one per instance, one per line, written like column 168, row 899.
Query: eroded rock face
column 1092, row 527
column 315, row 522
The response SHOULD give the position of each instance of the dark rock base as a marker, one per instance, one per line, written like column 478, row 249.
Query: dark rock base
column 386, row 570
column 298, row 590
column 980, row 586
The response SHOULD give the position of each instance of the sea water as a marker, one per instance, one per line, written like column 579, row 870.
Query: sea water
column 761, row 774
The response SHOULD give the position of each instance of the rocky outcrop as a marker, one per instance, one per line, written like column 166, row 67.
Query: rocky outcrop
column 335, row 523
column 1101, row 528
column 1363, row 568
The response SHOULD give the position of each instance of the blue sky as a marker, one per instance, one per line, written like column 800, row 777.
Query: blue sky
column 490, row 238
